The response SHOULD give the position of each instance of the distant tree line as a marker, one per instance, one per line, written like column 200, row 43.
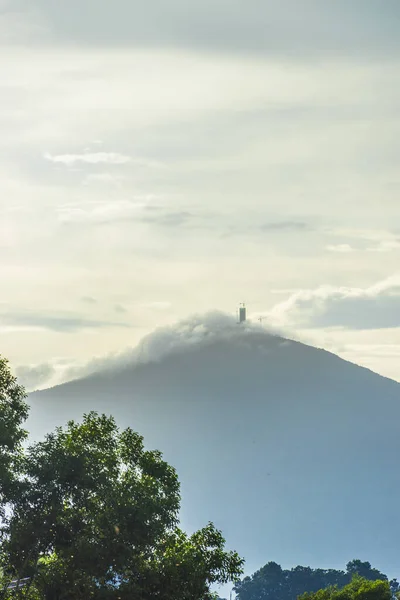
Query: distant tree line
column 271, row 582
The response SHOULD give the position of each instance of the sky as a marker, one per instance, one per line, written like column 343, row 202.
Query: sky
column 159, row 160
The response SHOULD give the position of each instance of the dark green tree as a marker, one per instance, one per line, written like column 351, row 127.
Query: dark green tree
column 184, row 566
column 273, row 582
column 395, row 588
column 90, row 513
column 13, row 414
column 363, row 569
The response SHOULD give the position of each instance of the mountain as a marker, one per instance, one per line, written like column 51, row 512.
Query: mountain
column 290, row 450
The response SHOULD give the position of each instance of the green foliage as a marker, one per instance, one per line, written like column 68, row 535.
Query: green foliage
column 358, row 589
column 274, row 583
column 13, row 413
column 186, row 566
column 90, row 513
column 364, row 570
column 95, row 500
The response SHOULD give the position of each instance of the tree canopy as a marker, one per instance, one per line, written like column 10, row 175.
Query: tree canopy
column 358, row 589
column 271, row 582
column 90, row 513
column 13, row 413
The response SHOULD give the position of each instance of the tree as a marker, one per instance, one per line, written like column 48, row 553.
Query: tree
column 93, row 514
column 13, row 413
column 272, row 582
column 364, row 570
column 184, row 567
column 358, row 589
column 395, row 588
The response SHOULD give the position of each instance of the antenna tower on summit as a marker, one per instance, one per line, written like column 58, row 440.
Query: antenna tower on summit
column 242, row 313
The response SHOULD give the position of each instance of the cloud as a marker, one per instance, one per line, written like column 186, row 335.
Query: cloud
column 92, row 158
column 385, row 246
column 261, row 27
column 157, row 305
column 21, row 23
column 285, row 226
column 103, row 178
column 140, row 210
column 34, row 377
column 200, row 330
column 195, row 331
column 169, row 219
column 374, row 307
column 366, row 240
column 102, row 212
column 252, row 228
column 55, row 322
column 342, row 248
column 97, row 158
column 89, row 300
column 118, row 308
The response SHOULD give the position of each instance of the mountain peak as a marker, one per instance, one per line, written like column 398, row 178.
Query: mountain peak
column 273, row 440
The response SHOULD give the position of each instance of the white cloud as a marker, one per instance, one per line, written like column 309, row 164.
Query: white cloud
column 101, row 212
column 103, row 178
column 342, row 248
column 194, row 331
column 368, row 240
column 373, row 307
column 374, row 235
column 157, row 305
column 53, row 321
column 34, row 377
column 92, row 158
column 385, row 246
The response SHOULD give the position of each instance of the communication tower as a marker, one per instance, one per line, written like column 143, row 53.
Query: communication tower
column 242, row 313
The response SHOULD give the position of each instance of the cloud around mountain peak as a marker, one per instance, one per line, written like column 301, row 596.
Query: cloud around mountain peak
column 193, row 332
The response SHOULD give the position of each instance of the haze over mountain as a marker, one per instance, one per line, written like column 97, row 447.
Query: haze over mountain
column 290, row 450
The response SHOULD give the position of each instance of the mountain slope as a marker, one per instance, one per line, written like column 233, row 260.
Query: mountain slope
column 290, row 450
